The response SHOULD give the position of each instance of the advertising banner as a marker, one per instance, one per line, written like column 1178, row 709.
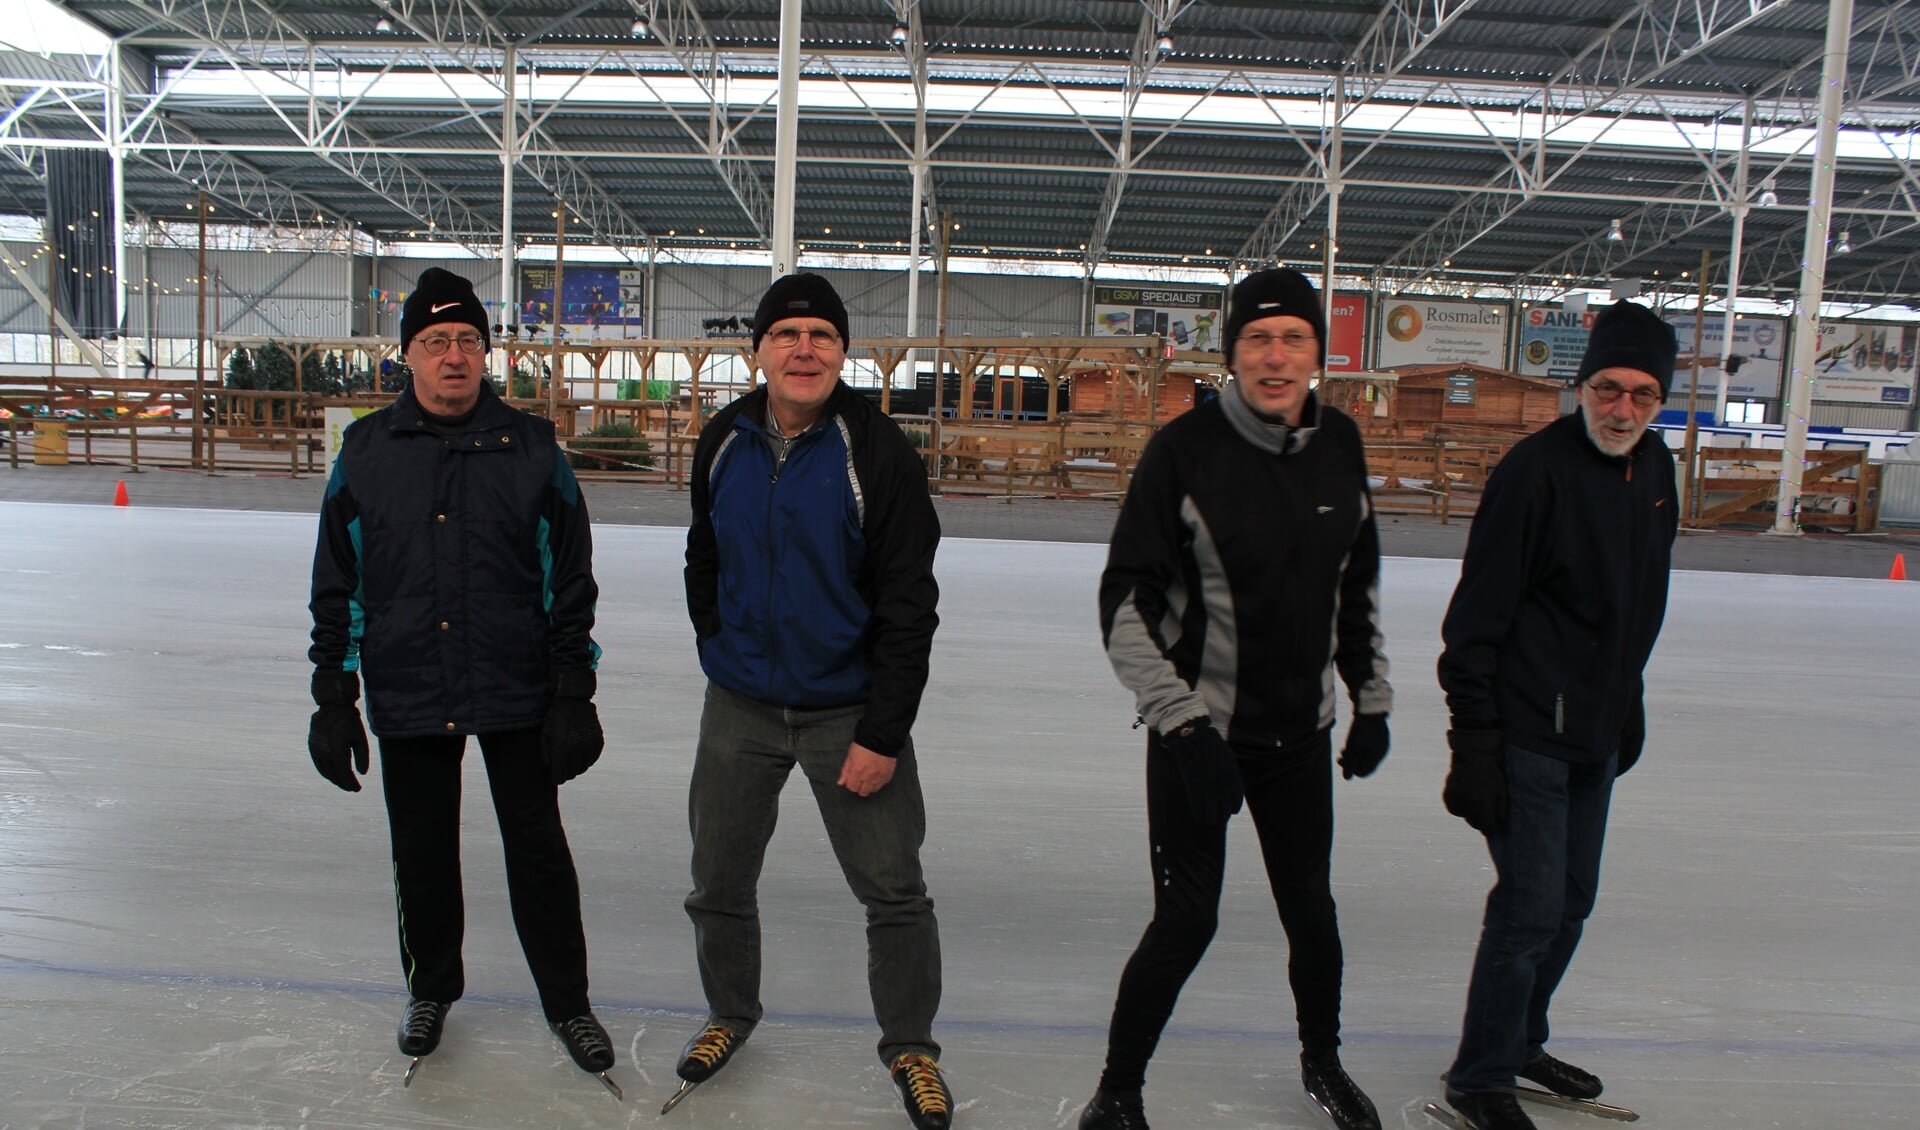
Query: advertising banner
column 1761, row 342
column 595, row 296
column 1439, row 331
column 1188, row 315
column 1865, row 362
column 1552, row 341
column 1347, row 334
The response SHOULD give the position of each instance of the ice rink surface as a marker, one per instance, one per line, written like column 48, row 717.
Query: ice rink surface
column 197, row 931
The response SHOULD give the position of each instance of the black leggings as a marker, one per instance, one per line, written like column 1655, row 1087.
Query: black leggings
column 422, row 782
column 1290, row 796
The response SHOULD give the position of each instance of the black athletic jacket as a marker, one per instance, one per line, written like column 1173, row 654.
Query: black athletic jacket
column 1244, row 570
column 1562, row 592
column 453, row 573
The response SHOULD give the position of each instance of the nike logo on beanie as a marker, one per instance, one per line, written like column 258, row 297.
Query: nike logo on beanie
column 443, row 306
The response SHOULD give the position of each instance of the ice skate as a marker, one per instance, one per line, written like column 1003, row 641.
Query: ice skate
column 586, row 1041
column 1329, row 1085
column 923, row 1087
column 420, row 1030
column 702, row 1058
column 1114, row 1112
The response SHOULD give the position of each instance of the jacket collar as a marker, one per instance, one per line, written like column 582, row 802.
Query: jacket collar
column 1268, row 435
column 489, row 412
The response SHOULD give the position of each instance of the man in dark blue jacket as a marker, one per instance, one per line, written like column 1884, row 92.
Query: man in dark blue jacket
column 454, row 572
column 810, row 584
column 1561, row 597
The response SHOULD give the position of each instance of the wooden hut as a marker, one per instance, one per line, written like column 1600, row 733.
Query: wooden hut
column 1475, row 397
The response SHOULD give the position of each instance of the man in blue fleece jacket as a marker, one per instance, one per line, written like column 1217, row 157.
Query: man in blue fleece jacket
column 810, row 584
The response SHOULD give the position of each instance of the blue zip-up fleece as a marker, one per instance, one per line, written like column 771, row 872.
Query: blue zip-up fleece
column 810, row 579
column 453, row 572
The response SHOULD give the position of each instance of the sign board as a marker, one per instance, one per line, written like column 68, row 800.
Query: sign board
column 1189, row 316
column 1762, row 341
column 1865, row 362
column 595, row 296
column 1439, row 331
column 1347, row 334
column 1462, row 388
column 337, row 420
column 1552, row 341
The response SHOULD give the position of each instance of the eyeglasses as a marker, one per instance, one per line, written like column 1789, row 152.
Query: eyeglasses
column 437, row 344
column 1607, row 392
column 1292, row 341
column 790, row 337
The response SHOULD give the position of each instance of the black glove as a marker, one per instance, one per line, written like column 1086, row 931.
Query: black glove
column 571, row 738
column 1366, row 746
column 336, row 739
column 1476, row 789
column 1208, row 766
column 1633, row 737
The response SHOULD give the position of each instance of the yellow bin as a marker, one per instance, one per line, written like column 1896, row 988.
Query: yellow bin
column 49, row 444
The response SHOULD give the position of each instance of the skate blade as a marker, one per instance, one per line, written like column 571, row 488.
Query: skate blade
column 407, row 1079
column 1441, row 1114
column 612, row 1087
column 1584, row 1106
column 686, row 1089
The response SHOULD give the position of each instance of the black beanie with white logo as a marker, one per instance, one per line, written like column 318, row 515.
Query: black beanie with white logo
column 803, row 295
column 1627, row 335
column 1269, row 294
column 441, row 296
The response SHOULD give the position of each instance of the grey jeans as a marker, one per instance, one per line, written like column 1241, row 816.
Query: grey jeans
column 747, row 750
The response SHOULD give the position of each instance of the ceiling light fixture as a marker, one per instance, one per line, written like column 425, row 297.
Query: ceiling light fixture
column 640, row 27
column 900, row 33
column 1164, row 45
column 383, row 25
column 1768, row 197
column 1845, row 246
column 1614, row 234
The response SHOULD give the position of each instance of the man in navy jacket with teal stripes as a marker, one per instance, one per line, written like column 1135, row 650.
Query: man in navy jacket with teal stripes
column 810, row 585
column 454, row 575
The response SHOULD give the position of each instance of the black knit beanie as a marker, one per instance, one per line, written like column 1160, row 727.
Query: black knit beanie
column 1268, row 294
column 1627, row 335
column 442, row 296
column 804, row 295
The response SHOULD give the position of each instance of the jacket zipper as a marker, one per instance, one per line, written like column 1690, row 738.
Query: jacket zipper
column 1560, row 713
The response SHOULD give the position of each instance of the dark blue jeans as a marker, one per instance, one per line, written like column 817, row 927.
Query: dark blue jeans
column 1548, row 867
column 747, row 750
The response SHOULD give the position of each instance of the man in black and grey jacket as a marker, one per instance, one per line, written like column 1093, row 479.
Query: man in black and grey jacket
column 1561, row 596
column 1243, row 575
column 454, row 576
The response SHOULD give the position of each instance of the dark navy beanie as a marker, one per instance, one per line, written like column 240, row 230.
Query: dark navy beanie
column 1269, row 294
column 1627, row 335
column 802, row 295
column 442, row 296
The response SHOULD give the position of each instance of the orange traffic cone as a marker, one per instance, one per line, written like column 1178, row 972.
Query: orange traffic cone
column 120, row 495
column 1899, row 572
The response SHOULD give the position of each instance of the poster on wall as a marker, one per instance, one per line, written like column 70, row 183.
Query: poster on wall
column 606, row 300
column 1761, row 342
column 1439, row 331
column 1552, row 340
column 1347, row 334
column 1188, row 315
column 1865, row 362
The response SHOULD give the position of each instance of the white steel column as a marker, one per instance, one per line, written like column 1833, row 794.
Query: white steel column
column 509, row 133
column 917, row 61
column 1336, row 164
column 1733, row 260
column 117, row 154
column 1798, row 402
column 786, row 146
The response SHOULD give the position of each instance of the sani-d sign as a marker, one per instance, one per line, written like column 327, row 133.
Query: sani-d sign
column 1434, row 331
column 1552, row 341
